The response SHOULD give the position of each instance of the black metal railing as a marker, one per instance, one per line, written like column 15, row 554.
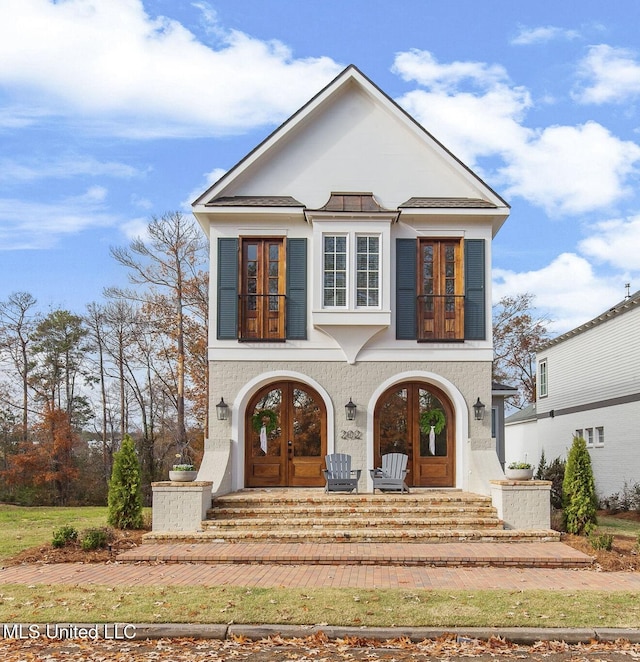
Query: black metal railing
column 262, row 317
column 440, row 317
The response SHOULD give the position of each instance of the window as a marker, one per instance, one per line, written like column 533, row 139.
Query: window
column 579, row 433
column 543, row 379
column 440, row 290
column 600, row 437
column 351, row 271
column 588, row 436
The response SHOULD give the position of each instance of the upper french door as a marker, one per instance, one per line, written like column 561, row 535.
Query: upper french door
column 262, row 293
column 440, row 290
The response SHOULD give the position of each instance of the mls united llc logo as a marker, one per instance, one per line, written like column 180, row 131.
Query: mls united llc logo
column 113, row 631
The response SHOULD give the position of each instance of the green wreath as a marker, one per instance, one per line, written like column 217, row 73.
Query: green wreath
column 432, row 418
column 258, row 420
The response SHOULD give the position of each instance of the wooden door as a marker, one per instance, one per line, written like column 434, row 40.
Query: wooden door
column 397, row 430
column 291, row 450
column 262, row 301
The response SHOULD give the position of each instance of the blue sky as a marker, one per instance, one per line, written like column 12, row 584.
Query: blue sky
column 112, row 111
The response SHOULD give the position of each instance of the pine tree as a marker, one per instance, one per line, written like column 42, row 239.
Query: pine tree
column 579, row 492
column 125, row 493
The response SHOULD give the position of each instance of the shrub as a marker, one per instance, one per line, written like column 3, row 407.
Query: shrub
column 578, row 490
column 628, row 499
column 95, row 539
column 555, row 473
column 125, row 493
column 601, row 541
column 64, row 535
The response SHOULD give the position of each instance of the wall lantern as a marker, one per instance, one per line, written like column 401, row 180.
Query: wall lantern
column 478, row 410
column 222, row 410
column 350, row 410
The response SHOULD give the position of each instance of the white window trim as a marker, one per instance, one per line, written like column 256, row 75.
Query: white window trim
column 352, row 314
column 588, row 437
column 599, row 440
column 543, row 392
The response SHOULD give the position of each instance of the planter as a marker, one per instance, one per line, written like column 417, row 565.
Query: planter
column 519, row 474
column 182, row 476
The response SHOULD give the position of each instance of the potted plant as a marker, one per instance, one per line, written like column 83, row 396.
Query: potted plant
column 519, row 471
column 182, row 472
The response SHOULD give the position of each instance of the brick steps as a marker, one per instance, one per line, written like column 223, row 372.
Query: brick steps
column 304, row 515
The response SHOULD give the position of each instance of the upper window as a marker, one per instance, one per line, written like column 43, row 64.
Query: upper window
column 440, row 290
column 351, row 271
column 543, row 379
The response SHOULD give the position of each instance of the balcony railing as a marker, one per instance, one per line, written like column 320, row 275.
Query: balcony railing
column 440, row 317
column 262, row 317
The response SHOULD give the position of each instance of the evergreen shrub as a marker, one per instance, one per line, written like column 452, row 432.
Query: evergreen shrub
column 578, row 490
column 125, row 491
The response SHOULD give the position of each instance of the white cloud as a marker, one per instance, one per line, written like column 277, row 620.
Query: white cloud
column 542, row 35
column 568, row 290
column 422, row 67
column 571, row 169
column 615, row 242
column 63, row 168
column 113, row 65
column 136, row 228
column 38, row 225
column 608, row 75
column 564, row 169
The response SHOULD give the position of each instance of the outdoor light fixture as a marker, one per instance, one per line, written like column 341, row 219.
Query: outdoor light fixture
column 350, row 410
column 478, row 410
column 222, row 410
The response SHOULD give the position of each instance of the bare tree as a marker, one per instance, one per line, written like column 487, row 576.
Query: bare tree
column 518, row 331
column 164, row 262
column 17, row 325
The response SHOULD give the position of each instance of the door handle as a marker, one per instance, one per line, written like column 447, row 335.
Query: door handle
column 290, row 445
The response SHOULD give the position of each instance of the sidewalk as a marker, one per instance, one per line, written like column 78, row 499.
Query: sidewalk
column 320, row 576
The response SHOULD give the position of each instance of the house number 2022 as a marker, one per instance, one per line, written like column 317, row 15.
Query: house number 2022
column 351, row 434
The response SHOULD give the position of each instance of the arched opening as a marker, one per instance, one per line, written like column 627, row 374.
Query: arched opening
column 403, row 420
column 285, row 436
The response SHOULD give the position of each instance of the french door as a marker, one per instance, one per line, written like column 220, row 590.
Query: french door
column 285, row 437
column 262, row 300
column 398, row 430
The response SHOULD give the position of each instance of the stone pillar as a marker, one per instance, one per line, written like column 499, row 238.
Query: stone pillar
column 180, row 506
column 523, row 504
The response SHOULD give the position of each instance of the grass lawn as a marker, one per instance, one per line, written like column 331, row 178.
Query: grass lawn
column 22, row 527
column 618, row 526
column 348, row 607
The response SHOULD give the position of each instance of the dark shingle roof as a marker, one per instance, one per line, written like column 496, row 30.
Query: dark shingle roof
column 255, row 201
column 444, row 203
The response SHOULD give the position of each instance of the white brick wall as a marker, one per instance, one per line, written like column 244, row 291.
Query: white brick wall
column 180, row 507
column 523, row 505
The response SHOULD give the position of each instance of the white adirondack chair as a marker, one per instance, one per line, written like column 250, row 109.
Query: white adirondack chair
column 390, row 477
column 339, row 475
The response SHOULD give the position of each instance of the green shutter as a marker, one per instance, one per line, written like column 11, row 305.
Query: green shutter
column 297, row 289
column 406, row 293
column 227, row 289
column 475, row 327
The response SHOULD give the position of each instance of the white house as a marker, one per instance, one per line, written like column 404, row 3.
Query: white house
column 589, row 385
column 350, row 264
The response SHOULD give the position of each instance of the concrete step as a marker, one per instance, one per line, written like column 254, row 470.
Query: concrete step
column 356, row 521
column 370, row 535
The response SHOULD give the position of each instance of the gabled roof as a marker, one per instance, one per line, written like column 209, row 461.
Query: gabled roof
column 626, row 305
column 529, row 413
column 353, row 76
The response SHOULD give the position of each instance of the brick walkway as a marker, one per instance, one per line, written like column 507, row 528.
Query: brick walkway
column 532, row 554
column 324, row 576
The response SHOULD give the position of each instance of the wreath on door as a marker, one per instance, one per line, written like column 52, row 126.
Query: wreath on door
column 266, row 418
column 432, row 418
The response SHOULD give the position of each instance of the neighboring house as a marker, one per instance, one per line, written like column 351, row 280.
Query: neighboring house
column 350, row 265
column 521, row 437
column 589, row 385
column 499, row 393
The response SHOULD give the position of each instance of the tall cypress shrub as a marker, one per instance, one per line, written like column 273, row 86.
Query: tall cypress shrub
column 579, row 490
column 125, row 492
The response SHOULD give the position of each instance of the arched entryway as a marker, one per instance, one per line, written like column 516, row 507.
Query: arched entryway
column 285, row 436
column 397, row 429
